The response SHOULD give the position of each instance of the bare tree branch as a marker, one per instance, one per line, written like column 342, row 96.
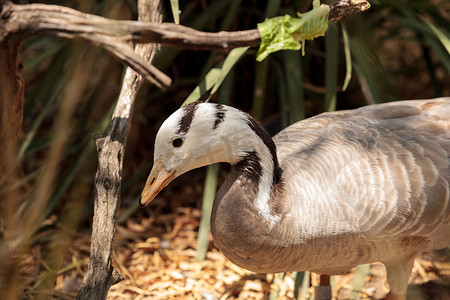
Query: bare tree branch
column 12, row 96
column 12, row 87
column 21, row 21
column 18, row 22
column 100, row 275
column 347, row 7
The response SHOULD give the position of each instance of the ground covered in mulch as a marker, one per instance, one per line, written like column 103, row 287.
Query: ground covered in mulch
column 156, row 254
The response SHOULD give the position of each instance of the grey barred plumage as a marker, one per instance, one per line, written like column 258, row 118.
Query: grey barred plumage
column 356, row 186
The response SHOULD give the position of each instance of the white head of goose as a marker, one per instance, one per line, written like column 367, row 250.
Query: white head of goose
column 327, row 193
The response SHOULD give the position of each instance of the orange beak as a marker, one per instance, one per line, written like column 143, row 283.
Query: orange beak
column 158, row 179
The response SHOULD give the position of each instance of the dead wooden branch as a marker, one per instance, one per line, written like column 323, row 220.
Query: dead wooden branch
column 21, row 21
column 12, row 87
column 40, row 19
column 100, row 275
column 12, row 97
column 347, row 7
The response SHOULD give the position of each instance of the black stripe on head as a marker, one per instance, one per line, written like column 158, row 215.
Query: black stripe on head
column 220, row 115
column 188, row 115
column 267, row 140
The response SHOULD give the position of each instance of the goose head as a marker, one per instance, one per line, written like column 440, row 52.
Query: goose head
column 201, row 134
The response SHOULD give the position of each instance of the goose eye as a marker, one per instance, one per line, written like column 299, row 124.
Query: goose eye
column 177, row 142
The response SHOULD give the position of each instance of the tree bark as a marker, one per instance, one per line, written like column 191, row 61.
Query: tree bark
column 12, row 97
column 100, row 275
column 12, row 86
column 346, row 7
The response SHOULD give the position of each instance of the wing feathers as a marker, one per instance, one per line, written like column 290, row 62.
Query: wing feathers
column 387, row 163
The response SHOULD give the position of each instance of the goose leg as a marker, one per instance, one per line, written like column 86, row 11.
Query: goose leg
column 323, row 291
column 397, row 275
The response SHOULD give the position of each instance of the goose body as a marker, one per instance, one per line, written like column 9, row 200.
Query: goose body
column 326, row 193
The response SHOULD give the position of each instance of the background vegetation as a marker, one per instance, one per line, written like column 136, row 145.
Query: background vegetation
column 396, row 50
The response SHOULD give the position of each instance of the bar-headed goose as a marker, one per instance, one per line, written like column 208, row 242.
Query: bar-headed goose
column 326, row 193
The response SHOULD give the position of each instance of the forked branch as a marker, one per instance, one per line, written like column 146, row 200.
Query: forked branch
column 100, row 275
column 22, row 21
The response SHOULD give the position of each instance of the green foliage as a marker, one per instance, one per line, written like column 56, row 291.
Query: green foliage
column 175, row 11
column 216, row 76
column 359, row 278
column 207, row 203
column 286, row 33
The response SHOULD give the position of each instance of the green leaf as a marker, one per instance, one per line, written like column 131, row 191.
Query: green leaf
column 359, row 278
column 293, row 78
column 260, row 87
column 215, row 77
column 207, row 83
column 300, row 278
column 287, row 32
column 175, row 11
column 209, row 193
column 445, row 40
column 348, row 58
column 271, row 8
column 305, row 284
column 282, row 91
column 228, row 64
column 331, row 68
column 262, row 69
